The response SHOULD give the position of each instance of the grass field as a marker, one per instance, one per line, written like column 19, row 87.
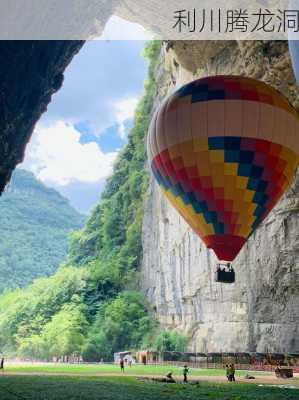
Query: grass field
column 92, row 369
column 128, row 388
column 106, row 382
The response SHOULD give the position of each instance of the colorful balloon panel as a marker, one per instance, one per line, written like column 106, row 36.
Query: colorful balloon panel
column 224, row 150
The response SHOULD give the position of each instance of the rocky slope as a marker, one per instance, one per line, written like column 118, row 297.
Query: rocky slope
column 260, row 312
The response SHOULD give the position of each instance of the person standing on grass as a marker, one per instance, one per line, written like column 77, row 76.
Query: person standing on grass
column 185, row 373
column 2, row 364
column 122, row 365
column 233, row 371
column 227, row 369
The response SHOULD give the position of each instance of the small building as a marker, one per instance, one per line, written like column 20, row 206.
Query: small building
column 127, row 356
column 148, row 357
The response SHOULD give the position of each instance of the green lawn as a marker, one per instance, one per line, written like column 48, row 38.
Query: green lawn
column 92, row 369
column 88, row 386
column 127, row 388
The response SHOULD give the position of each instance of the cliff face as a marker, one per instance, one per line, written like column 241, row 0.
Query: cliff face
column 260, row 312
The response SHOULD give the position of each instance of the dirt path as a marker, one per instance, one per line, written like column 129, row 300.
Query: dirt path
column 259, row 379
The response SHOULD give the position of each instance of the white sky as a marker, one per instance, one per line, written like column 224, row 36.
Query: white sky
column 120, row 29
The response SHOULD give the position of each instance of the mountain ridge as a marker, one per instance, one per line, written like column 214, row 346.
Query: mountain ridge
column 39, row 220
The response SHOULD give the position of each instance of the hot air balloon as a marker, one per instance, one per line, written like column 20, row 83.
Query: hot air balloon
column 224, row 149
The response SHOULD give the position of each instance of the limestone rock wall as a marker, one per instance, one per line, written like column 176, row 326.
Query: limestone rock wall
column 260, row 312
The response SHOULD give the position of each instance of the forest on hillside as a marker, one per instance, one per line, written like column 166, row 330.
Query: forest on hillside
column 93, row 306
column 35, row 222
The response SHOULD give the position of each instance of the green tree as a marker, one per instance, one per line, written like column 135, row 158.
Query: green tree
column 123, row 323
column 35, row 222
column 32, row 347
column 169, row 341
column 97, row 347
column 23, row 313
column 64, row 334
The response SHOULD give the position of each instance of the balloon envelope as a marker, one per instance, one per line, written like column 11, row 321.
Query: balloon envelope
column 223, row 150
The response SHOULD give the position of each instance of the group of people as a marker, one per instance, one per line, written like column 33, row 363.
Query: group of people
column 186, row 371
column 168, row 376
column 225, row 268
column 230, row 372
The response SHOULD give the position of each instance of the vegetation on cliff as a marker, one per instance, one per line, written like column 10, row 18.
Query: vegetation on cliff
column 93, row 307
column 35, row 222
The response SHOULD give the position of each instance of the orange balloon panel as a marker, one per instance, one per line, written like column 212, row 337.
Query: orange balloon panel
column 224, row 149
